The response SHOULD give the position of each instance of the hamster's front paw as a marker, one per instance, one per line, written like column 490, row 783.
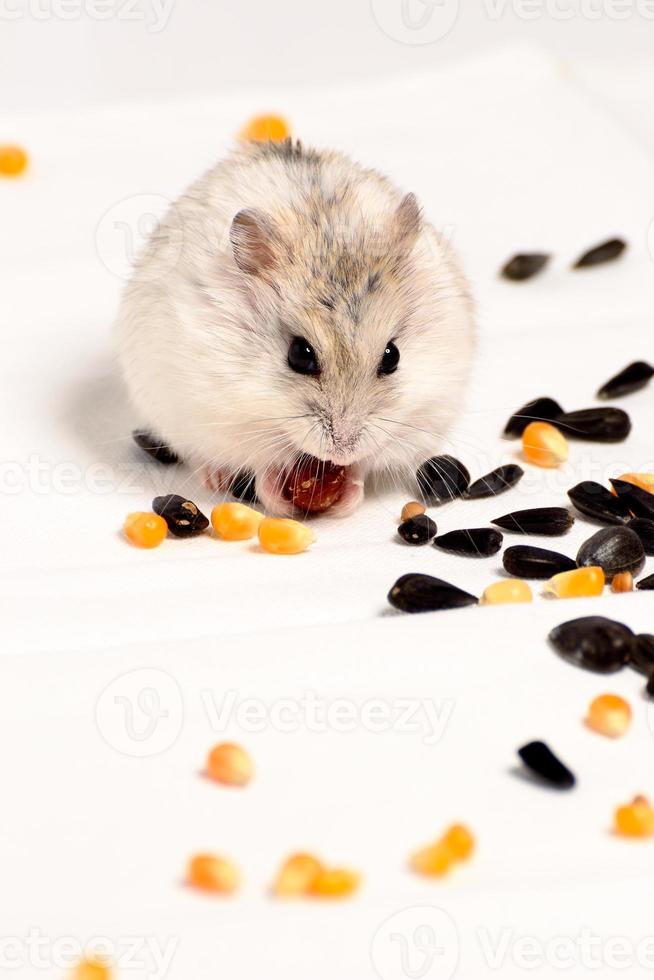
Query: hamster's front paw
column 216, row 479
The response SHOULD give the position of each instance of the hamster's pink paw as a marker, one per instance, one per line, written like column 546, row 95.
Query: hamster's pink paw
column 216, row 479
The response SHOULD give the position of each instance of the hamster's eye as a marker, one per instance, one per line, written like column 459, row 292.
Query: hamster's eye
column 302, row 357
column 390, row 359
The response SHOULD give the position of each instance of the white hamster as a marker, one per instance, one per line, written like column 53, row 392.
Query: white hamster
column 293, row 304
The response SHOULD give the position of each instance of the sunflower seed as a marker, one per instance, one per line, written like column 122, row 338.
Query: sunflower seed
column 646, row 584
column 524, row 266
column 155, row 447
column 594, row 500
column 417, row 593
column 443, row 478
column 477, row 542
column 649, row 687
column 539, row 410
column 615, row 549
column 499, row 480
column 638, row 501
column 523, row 561
column 538, row 757
column 538, row 520
column 182, row 516
column 418, row 530
column 644, row 528
column 594, row 642
column 242, row 487
column 631, row 378
column 641, row 657
column 595, row 424
column 605, row 252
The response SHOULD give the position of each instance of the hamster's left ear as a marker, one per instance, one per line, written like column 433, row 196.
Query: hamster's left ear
column 254, row 237
column 407, row 222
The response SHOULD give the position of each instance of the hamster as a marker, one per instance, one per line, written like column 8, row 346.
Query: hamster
column 294, row 306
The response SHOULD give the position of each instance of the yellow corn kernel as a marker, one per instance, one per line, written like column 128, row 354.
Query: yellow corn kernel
column 145, row 530
column 296, row 875
column 235, row 522
column 643, row 480
column 435, row 860
column 509, row 590
column 544, row 445
column 460, row 841
column 91, row 968
column 636, row 819
column 412, row 509
column 13, row 161
column 578, row 582
column 283, row 536
column 261, row 129
column 622, row 582
column 212, row 873
column 334, row 883
column 609, row 714
column 230, row 764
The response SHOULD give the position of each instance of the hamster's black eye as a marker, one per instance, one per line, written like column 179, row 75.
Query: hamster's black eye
column 302, row 357
column 390, row 359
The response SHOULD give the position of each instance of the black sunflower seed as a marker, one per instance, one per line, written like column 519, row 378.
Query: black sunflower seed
column 523, row 561
column 524, row 266
column 476, row 542
column 593, row 642
column 605, row 252
column 538, row 520
column 649, row 687
column 443, row 478
column 644, row 528
column 646, row 584
column 501, row 479
column 155, row 447
column 595, row 424
column 183, row 518
column 418, row 530
column 538, row 757
column 242, row 487
column 417, row 593
column 539, row 410
column 631, row 378
column 640, row 502
column 615, row 549
column 641, row 657
column 594, row 500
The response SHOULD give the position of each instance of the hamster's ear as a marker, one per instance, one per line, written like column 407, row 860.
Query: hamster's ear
column 253, row 240
column 407, row 221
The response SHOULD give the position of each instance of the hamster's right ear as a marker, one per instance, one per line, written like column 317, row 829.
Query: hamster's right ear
column 253, row 238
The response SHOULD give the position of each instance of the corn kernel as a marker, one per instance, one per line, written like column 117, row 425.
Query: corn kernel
column 145, row 530
column 509, row 590
column 578, row 582
column 235, row 522
column 636, row 819
column 544, row 445
column 296, row 875
column 643, row 480
column 460, row 841
column 412, row 509
column 622, row 582
column 13, row 161
column 282, row 536
column 334, row 883
column 230, row 764
column 261, row 129
column 609, row 715
column 212, row 873
column 434, row 860
column 92, row 968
